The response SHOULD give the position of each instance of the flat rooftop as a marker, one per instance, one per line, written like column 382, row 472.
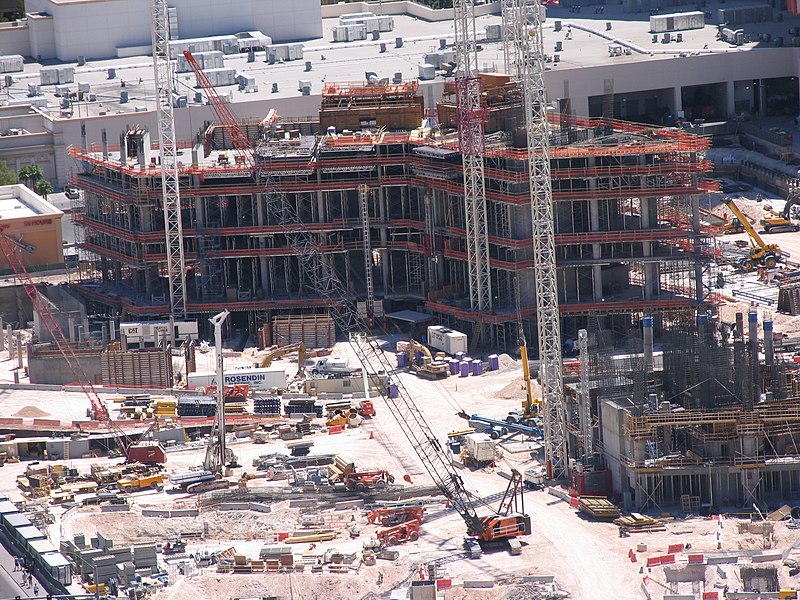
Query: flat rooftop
column 348, row 61
column 18, row 202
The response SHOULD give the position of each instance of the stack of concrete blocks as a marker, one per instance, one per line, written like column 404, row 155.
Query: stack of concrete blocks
column 126, row 573
column 144, row 556
column 207, row 60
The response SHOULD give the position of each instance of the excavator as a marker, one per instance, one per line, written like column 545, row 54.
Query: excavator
column 784, row 220
column 302, row 355
column 423, row 364
column 761, row 253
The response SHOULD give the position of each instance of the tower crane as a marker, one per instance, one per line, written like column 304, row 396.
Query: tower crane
column 471, row 117
column 493, row 527
column 522, row 24
column 170, row 188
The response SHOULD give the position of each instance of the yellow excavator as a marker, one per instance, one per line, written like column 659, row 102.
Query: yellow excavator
column 761, row 253
column 784, row 220
column 302, row 355
column 424, row 365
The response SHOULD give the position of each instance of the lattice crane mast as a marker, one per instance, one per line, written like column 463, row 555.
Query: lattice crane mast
column 523, row 22
column 9, row 247
column 471, row 116
column 345, row 314
column 170, row 188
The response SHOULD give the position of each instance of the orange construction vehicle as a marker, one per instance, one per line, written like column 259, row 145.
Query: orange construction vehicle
column 396, row 515
column 368, row 480
column 408, row 531
column 366, row 408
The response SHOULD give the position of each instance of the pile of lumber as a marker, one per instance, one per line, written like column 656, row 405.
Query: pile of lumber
column 341, row 466
column 598, row 507
column 311, row 535
column 640, row 523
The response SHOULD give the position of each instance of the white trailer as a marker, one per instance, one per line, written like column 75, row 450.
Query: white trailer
column 479, row 448
column 446, row 339
column 273, row 377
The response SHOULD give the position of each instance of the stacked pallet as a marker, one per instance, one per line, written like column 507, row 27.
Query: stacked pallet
column 165, row 408
column 598, row 507
column 193, row 406
column 341, row 466
column 640, row 523
column 267, row 405
column 303, row 406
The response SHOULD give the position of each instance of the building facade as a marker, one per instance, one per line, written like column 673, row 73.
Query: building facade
column 627, row 218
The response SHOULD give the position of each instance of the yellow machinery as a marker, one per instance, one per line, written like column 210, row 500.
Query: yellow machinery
column 531, row 406
column 425, row 366
column 302, row 355
column 760, row 253
column 783, row 221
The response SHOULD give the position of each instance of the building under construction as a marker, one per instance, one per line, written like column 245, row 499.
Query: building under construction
column 378, row 181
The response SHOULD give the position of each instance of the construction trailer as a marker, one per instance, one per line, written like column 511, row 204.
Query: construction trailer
column 385, row 204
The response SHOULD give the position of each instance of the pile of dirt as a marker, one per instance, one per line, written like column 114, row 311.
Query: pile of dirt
column 30, row 412
column 508, row 362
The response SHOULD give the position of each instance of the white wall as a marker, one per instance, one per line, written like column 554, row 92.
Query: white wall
column 96, row 28
column 15, row 38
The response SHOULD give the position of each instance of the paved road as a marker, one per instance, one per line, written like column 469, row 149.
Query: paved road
column 10, row 580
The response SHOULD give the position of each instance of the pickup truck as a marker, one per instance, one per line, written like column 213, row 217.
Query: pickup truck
column 134, row 483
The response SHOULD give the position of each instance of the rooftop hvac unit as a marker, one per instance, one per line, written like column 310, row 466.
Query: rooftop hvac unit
column 65, row 103
column 398, row 42
column 442, row 43
column 112, row 73
column 140, row 109
column 304, row 85
column 81, row 61
column 427, row 72
column 376, row 35
column 123, row 97
column 398, row 77
column 308, row 66
column 433, row 58
column 371, row 77
column 382, row 47
column 274, row 88
column 33, row 89
column 251, row 56
column 83, row 87
column 198, row 97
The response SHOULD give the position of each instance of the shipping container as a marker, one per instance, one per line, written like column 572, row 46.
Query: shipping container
column 446, row 339
column 257, row 379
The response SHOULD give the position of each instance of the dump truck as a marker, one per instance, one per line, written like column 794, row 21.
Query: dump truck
column 134, row 483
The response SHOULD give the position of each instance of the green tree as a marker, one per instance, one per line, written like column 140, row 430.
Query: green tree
column 7, row 176
column 31, row 175
column 43, row 187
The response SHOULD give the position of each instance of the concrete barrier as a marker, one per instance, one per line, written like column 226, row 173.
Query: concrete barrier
column 348, row 504
column 115, row 508
column 722, row 560
column 767, row 557
column 234, row 506
column 558, row 493
column 301, row 503
column 539, row 578
column 152, row 512
column 259, row 507
column 478, row 583
column 184, row 512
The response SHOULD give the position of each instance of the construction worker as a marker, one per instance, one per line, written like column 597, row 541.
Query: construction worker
column 380, row 577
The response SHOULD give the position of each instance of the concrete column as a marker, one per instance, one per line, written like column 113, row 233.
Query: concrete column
column 262, row 243
column 384, row 240
column 647, row 337
column 597, row 282
column 104, row 142
column 19, row 351
column 769, row 343
column 10, row 333
column 755, row 364
column 2, row 338
column 676, row 99
column 112, row 329
column 730, row 99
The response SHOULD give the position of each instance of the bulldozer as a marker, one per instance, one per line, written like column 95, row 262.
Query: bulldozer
column 423, row 364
